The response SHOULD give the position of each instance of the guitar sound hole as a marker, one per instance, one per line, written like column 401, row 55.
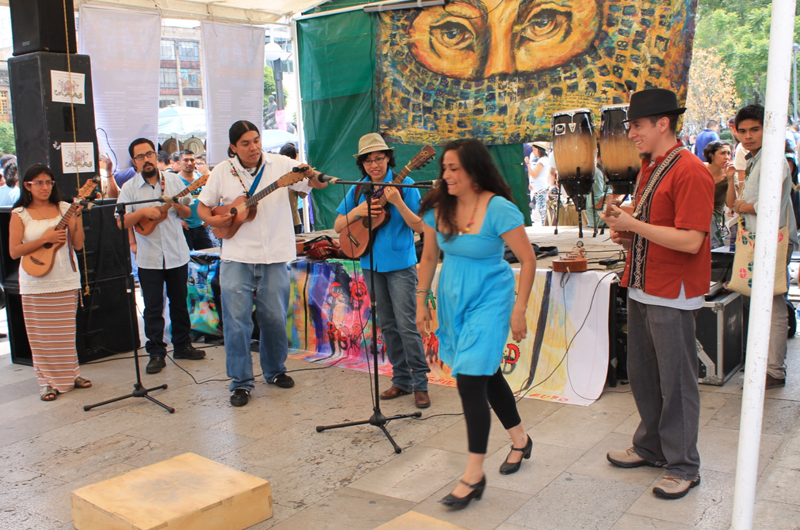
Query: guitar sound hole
column 48, row 245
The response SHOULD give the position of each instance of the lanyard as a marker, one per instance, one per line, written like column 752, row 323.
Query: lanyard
column 249, row 194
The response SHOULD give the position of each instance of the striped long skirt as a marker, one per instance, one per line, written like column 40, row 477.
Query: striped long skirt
column 50, row 322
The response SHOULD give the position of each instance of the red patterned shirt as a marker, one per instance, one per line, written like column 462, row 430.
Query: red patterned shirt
column 684, row 199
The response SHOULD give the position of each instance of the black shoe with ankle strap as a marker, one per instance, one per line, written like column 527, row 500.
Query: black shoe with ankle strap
column 461, row 502
column 507, row 468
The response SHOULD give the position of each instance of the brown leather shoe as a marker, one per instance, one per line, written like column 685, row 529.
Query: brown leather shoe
column 394, row 392
column 422, row 399
column 774, row 382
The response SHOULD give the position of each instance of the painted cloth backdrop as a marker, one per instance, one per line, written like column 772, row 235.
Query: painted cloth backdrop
column 498, row 69
column 564, row 357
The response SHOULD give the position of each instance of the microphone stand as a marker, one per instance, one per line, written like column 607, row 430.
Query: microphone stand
column 377, row 419
column 139, row 391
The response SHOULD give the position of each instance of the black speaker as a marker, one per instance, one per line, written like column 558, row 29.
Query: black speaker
column 104, row 320
column 43, row 125
column 108, row 252
column 39, row 26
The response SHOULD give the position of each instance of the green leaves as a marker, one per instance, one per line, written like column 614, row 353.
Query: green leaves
column 739, row 30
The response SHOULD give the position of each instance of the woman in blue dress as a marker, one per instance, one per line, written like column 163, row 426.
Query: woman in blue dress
column 469, row 216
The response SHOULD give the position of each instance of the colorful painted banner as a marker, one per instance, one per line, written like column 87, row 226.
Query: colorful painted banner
column 498, row 69
column 564, row 357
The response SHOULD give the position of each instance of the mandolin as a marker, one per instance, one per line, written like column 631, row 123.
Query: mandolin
column 145, row 226
column 616, row 200
column 40, row 262
column 355, row 239
column 245, row 209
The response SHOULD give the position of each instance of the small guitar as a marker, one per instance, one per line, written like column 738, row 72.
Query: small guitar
column 40, row 262
column 355, row 239
column 616, row 200
column 145, row 226
column 244, row 209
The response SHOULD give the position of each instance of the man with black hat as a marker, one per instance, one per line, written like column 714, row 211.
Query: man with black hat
column 667, row 273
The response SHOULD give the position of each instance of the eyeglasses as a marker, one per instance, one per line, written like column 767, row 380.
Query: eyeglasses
column 40, row 183
column 149, row 154
column 377, row 160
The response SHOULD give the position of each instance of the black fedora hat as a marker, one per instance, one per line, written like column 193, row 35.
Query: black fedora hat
column 653, row 102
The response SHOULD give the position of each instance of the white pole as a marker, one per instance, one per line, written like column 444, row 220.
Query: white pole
column 301, row 138
column 769, row 207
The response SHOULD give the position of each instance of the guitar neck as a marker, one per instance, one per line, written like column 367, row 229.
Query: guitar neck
column 397, row 180
column 62, row 224
column 261, row 194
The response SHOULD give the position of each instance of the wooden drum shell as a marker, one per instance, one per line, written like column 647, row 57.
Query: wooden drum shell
column 621, row 160
column 574, row 148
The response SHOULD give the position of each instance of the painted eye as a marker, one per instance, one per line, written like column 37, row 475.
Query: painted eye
column 453, row 35
column 547, row 24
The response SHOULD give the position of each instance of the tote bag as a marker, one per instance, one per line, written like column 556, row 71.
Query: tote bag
column 742, row 277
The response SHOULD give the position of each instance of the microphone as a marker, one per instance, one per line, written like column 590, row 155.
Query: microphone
column 186, row 200
column 322, row 177
column 428, row 183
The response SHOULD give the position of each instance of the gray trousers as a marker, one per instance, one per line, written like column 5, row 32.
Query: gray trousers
column 662, row 368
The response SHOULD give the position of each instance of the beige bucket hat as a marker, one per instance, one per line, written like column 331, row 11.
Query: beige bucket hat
column 369, row 143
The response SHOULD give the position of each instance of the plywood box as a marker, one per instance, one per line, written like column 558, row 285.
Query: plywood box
column 185, row 492
column 418, row 521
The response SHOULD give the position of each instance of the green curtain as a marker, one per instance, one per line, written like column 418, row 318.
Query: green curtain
column 337, row 82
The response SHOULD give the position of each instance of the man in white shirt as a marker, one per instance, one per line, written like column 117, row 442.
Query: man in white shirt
column 162, row 255
column 253, row 261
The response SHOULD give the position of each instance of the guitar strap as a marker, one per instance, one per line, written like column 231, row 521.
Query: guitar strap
column 253, row 188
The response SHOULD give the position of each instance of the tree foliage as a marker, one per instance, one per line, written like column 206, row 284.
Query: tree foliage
column 739, row 31
column 7, row 145
column 712, row 91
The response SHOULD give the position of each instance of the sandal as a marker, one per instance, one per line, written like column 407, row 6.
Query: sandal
column 47, row 393
column 80, row 382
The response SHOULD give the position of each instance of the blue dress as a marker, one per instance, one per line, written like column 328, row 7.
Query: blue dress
column 476, row 292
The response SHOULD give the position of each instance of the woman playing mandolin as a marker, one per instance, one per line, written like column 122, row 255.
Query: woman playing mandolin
column 49, row 302
column 395, row 262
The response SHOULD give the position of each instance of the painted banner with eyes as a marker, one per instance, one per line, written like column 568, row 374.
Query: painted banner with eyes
column 498, row 69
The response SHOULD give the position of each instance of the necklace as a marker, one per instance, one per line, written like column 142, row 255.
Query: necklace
column 471, row 219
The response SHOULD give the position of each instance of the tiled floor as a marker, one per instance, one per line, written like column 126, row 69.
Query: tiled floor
column 350, row 478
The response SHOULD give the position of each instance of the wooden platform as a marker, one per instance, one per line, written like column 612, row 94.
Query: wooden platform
column 418, row 521
column 182, row 493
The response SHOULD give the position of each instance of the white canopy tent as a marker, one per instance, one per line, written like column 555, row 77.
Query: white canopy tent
column 253, row 12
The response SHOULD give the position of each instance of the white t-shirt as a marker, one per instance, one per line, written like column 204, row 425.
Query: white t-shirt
column 540, row 182
column 269, row 238
column 739, row 160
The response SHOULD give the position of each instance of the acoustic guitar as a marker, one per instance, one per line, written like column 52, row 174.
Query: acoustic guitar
column 355, row 239
column 145, row 226
column 244, row 209
column 40, row 262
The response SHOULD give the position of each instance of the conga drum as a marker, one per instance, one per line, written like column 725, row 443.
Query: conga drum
column 621, row 160
column 574, row 150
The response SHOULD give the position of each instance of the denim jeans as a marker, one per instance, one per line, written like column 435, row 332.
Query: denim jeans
column 266, row 286
column 395, row 295
column 152, row 284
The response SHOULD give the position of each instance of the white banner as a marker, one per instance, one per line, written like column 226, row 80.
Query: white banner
column 125, row 49
column 233, row 78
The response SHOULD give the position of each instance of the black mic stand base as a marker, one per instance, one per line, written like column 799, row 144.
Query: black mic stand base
column 138, row 391
column 379, row 421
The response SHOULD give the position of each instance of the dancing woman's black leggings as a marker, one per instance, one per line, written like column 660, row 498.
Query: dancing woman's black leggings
column 477, row 393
